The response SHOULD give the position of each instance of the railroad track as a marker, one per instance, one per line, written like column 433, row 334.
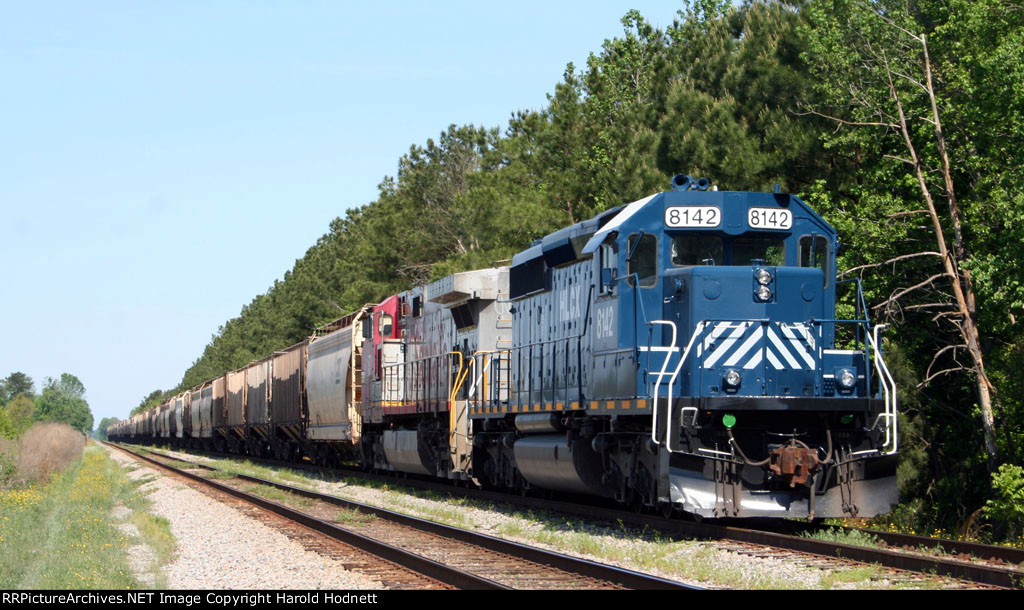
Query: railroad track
column 444, row 555
column 928, row 557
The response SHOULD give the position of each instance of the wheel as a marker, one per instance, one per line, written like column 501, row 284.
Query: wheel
column 666, row 509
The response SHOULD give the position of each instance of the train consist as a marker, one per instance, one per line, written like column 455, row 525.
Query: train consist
column 681, row 352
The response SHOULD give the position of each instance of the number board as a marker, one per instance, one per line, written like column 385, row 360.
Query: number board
column 769, row 218
column 693, row 216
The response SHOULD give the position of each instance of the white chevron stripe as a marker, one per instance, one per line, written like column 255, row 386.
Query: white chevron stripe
column 808, row 335
column 697, row 330
column 716, row 331
column 720, row 329
column 742, row 350
column 782, row 349
column 724, row 347
column 797, row 343
column 797, row 347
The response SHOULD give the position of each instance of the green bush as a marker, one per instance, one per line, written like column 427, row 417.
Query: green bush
column 8, row 461
column 1006, row 508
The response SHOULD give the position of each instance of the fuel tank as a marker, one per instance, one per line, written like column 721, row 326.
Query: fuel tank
column 550, row 461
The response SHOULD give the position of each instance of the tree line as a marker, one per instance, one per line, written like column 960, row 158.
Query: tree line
column 900, row 121
column 62, row 400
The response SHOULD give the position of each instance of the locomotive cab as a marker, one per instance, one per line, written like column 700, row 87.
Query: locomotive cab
column 729, row 301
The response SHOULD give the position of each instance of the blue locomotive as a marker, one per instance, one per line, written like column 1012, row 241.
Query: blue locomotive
column 680, row 353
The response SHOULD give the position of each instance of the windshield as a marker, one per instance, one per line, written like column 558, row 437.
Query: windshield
column 745, row 250
column 688, row 250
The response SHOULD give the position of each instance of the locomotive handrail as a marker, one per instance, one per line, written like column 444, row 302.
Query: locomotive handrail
column 890, row 395
column 453, row 391
column 860, row 305
column 454, row 386
column 483, row 372
column 669, row 350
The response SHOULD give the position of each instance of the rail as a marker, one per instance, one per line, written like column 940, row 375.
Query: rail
column 549, row 564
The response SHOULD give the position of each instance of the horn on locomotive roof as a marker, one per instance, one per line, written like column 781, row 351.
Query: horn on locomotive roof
column 682, row 182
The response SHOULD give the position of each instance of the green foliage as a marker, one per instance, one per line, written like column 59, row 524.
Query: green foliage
column 8, row 461
column 853, row 537
column 863, row 56
column 6, row 429
column 101, row 429
column 16, row 383
column 63, row 401
column 154, row 398
column 1006, row 507
column 17, row 415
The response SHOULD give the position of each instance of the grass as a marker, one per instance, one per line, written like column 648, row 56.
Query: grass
column 858, row 574
column 348, row 516
column 283, row 475
column 277, row 495
column 446, row 514
column 840, row 536
column 60, row 534
column 218, row 475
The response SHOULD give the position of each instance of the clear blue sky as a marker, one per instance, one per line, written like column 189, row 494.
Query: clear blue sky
column 162, row 163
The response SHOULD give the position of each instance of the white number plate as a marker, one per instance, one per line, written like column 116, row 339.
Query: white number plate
column 693, row 216
column 769, row 218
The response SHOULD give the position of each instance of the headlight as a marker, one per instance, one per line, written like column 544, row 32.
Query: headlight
column 764, row 293
column 847, row 378
column 764, row 277
column 732, row 377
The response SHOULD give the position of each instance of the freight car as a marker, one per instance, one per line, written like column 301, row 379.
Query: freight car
column 679, row 353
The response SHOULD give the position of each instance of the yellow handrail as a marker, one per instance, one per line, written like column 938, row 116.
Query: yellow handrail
column 460, row 376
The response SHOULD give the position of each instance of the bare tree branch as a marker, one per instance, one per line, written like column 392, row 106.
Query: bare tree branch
column 925, row 305
column 900, row 159
column 908, row 213
column 845, row 122
column 891, row 260
column 901, row 293
column 935, row 357
column 944, row 372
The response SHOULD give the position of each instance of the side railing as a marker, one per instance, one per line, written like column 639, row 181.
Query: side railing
column 536, row 378
column 420, row 381
column 888, row 418
column 545, row 372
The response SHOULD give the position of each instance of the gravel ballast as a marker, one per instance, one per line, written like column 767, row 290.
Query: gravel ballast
column 221, row 548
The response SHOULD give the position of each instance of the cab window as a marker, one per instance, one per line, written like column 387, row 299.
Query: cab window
column 689, row 250
column 644, row 262
column 384, row 323
column 747, row 249
column 609, row 262
column 813, row 252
